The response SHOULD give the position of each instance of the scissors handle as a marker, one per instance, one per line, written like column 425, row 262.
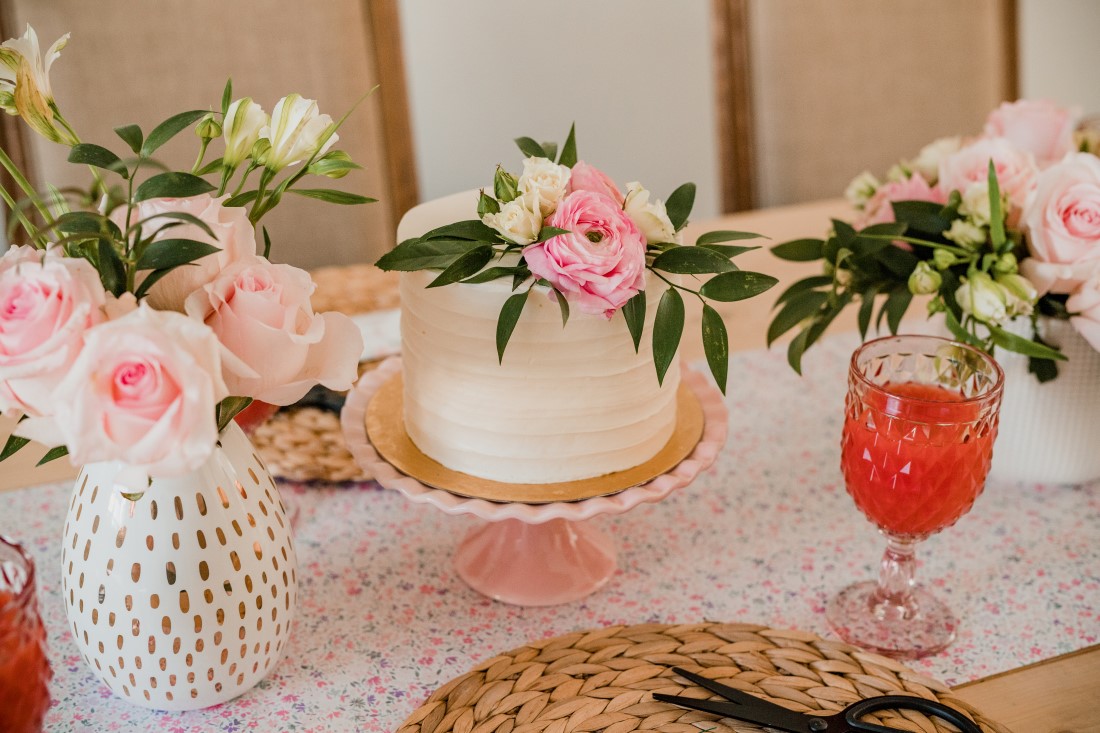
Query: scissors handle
column 855, row 711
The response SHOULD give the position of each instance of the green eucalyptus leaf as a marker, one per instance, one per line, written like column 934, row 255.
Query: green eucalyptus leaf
column 73, row 222
column 1044, row 370
column 797, row 348
column 489, row 274
column 52, row 455
column 131, row 135
column 169, row 253
column 1011, row 342
column 691, row 261
column 896, row 304
column 957, row 330
column 797, row 309
column 923, row 216
column 739, row 285
column 668, row 327
column 420, row 254
column 229, row 408
column 725, row 235
column 12, row 446
column 866, row 308
column 806, row 283
column 507, row 320
column 563, row 305
column 267, row 243
column 182, row 217
column 548, row 232
column 149, row 280
column 227, row 95
column 844, row 232
column 799, row 250
column 569, row 150
column 486, row 204
column 242, row 199
column 898, row 261
column 530, row 148
column 112, row 273
column 172, row 185
column 168, row 129
column 332, row 196
column 551, row 150
column 472, row 229
column 716, row 345
column 466, row 265
column 679, row 205
column 727, row 250
column 996, row 211
column 634, row 313
column 97, row 156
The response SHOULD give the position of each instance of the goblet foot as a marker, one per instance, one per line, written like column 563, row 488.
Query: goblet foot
column 536, row 564
column 917, row 627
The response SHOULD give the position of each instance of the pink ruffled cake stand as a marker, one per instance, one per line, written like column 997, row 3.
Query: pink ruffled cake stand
column 534, row 554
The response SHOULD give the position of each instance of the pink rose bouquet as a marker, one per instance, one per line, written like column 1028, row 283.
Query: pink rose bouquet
column 136, row 330
column 565, row 228
column 999, row 226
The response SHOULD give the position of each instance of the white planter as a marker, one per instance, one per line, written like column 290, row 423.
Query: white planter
column 182, row 598
column 1050, row 432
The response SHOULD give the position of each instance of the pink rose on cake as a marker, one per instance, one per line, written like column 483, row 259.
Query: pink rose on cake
column 234, row 236
column 1063, row 223
column 261, row 313
column 590, row 178
column 143, row 392
column 600, row 264
column 1035, row 126
column 47, row 304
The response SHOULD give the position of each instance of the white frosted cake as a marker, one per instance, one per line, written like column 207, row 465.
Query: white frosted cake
column 566, row 403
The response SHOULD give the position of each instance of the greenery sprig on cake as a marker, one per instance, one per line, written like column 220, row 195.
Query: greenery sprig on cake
column 564, row 227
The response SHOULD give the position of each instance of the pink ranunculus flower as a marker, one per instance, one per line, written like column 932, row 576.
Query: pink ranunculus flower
column 878, row 209
column 1063, row 224
column 1016, row 171
column 1036, row 126
column 47, row 303
column 600, row 264
column 590, row 178
column 234, row 236
column 142, row 392
column 1084, row 303
column 262, row 314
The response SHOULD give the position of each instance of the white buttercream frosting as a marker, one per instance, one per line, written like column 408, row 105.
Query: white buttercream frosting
column 566, row 403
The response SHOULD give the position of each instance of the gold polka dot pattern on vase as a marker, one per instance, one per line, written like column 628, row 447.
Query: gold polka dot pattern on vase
column 183, row 597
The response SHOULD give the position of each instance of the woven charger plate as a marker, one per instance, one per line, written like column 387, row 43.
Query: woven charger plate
column 305, row 443
column 604, row 680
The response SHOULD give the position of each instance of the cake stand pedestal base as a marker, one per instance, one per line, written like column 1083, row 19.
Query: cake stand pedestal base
column 536, row 564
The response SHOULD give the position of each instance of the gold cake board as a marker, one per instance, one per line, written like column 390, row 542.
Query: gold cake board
column 385, row 424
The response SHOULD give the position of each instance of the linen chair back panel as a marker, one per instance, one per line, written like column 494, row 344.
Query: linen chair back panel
column 139, row 62
column 840, row 86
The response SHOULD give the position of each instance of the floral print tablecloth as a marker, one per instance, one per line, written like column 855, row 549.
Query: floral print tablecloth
column 764, row 536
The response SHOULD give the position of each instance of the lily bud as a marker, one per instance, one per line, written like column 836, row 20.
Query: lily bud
column 208, row 128
column 505, row 186
column 924, row 280
column 982, row 298
column 296, row 131
column 242, row 124
column 25, row 75
column 1020, row 294
column 334, row 164
column 260, row 151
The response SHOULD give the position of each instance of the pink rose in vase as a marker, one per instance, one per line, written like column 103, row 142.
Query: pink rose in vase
column 1016, row 171
column 1039, row 127
column 233, row 235
column 600, row 264
column 587, row 177
column 878, row 209
column 261, row 313
column 47, row 304
column 1063, row 225
column 142, row 392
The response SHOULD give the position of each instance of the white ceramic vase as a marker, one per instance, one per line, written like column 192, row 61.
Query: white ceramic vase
column 1050, row 432
column 183, row 597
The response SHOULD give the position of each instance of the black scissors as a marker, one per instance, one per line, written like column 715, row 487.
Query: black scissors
column 743, row 706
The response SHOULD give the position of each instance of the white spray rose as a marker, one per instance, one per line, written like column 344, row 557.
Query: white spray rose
column 650, row 216
column 927, row 162
column 1020, row 294
column 982, row 298
column 242, row 125
column 295, row 132
column 518, row 221
column 861, row 189
column 965, row 234
column 544, row 182
column 975, row 203
column 924, row 280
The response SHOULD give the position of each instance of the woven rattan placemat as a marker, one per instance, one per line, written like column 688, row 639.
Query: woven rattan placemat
column 306, row 443
column 603, row 680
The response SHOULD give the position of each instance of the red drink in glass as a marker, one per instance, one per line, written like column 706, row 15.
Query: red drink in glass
column 24, row 670
column 915, row 456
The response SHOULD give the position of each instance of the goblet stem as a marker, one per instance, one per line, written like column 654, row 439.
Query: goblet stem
column 894, row 600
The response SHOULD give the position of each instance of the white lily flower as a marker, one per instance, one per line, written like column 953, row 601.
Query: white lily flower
column 244, row 120
column 25, row 76
column 295, row 132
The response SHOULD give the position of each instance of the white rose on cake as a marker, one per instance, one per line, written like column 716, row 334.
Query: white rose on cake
column 543, row 182
column 650, row 216
column 517, row 221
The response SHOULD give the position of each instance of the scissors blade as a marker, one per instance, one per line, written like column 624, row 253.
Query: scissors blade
column 741, row 705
